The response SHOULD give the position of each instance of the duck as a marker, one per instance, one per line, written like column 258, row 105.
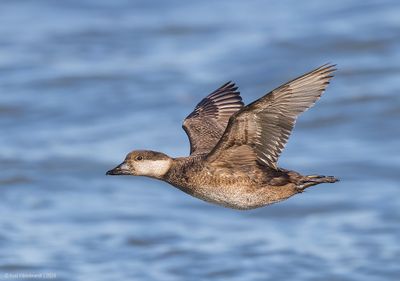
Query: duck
column 234, row 149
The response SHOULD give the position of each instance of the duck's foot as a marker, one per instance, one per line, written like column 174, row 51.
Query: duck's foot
column 312, row 180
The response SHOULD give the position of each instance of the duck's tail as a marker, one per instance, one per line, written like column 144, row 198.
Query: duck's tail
column 308, row 181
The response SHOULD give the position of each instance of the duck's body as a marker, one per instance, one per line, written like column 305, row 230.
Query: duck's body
column 234, row 149
column 224, row 186
column 258, row 187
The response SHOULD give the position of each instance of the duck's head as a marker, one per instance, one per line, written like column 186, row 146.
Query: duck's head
column 143, row 163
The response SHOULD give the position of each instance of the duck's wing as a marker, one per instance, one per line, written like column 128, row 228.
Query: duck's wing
column 259, row 132
column 206, row 124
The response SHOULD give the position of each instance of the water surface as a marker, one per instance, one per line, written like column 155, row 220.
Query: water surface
column 84, row 82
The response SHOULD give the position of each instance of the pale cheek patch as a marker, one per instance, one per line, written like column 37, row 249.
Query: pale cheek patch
column 152, row 168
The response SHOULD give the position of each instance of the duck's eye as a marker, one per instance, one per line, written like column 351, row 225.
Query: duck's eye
column 139, row 158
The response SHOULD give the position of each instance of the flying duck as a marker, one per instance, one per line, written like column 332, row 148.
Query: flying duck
column 234, row 148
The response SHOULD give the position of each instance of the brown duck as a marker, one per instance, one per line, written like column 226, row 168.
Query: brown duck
column 234, row 148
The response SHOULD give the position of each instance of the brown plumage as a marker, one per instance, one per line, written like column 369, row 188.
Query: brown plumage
column 206, row 124
column 235, row 148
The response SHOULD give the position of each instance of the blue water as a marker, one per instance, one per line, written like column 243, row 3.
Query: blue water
column 84, row 82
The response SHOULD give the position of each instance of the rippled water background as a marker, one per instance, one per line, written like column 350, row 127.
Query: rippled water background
column 84, row 82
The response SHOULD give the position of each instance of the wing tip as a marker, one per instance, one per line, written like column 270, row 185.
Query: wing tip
column 327, row 68
column 229, row 88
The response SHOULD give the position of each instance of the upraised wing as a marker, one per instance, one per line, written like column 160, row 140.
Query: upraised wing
column 206, row 124
column 259, row 132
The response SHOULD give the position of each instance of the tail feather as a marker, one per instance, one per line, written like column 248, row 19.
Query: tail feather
column 308, row 181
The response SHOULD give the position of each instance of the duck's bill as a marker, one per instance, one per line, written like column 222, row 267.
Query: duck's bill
column 119, row 170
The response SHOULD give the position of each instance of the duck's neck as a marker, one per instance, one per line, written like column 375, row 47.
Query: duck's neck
column 182, row 169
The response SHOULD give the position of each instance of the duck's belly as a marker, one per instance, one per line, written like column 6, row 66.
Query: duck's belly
column 242, row 196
